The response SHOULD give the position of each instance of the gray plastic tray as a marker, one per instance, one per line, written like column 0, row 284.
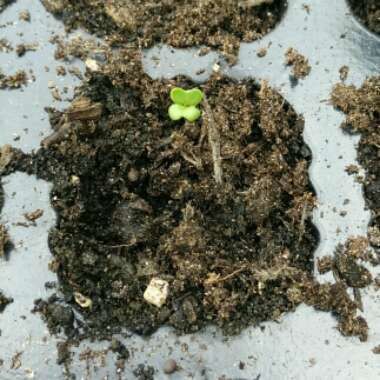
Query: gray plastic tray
column 305, row 344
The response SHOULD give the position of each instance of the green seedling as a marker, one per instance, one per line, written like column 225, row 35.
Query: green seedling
column 185, row 104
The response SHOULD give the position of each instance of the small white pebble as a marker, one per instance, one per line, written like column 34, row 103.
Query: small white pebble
column 92, row 65
column 157, row 292
column 216, row 67
column 75, row 180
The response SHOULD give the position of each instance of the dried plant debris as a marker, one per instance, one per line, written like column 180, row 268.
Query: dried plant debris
column 220, row 24
column 368, row 11
column 4, row 4
column 34, row 215
column 13, row 81
column 300, row 64
column 362, row 106
column 4, row 301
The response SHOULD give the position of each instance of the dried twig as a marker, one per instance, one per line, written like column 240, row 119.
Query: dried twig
column 215, row 280
column 214, row 141
column 59, row 134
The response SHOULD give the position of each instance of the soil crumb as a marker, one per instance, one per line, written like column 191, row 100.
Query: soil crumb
column 144, row 372
column 24, row 15
column 368, row 11
column 346, row 264
column 5, row 46
column 13, row 81
column 4, row 301
column 262, row 52
column 5, row 240
column 22, row 49
column 300, row 64
column 343, row 73
column 219, row 24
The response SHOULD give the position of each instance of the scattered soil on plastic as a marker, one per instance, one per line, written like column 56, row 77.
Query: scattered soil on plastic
column 368, row 11
column 362, row 106
column 220, row 24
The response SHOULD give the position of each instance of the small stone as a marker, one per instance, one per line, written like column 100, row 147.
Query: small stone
column 75, row 180
column 82, row 300
column 92, row 65
column 133, row 175
column 157, row 292
column 216, row 67
column 170, row 366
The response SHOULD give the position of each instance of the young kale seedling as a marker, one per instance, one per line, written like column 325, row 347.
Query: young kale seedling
column 185, row 104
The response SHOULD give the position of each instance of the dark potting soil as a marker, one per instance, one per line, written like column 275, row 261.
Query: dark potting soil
column 136, row 199
column 368, row 11
column 362, row 106
column 219, row 24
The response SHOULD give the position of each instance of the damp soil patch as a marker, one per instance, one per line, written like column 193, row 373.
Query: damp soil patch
column 138, row 199
column 220, row 24
column 368, row 12
column 362, row 106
